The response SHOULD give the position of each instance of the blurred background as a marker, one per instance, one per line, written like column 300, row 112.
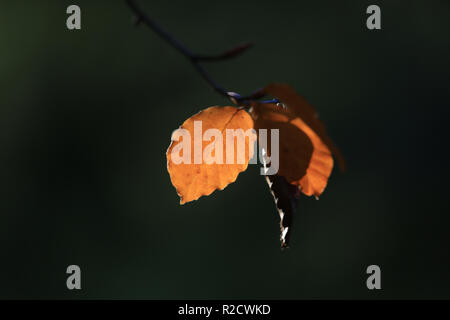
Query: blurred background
column 86, row 118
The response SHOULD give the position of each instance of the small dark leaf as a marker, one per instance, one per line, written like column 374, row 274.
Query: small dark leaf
column 286, row 198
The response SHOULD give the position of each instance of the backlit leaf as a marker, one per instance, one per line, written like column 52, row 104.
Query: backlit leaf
column 304, row 160
column 193, row 180
column 297, row 104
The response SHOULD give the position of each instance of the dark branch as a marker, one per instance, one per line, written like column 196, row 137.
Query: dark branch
column 142, row 18
column 231, row 53
column 195, row 59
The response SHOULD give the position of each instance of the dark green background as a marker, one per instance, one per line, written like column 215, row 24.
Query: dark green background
column 86, row 117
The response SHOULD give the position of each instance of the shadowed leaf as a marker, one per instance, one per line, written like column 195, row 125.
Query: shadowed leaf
column 295, row 102
column 286, row 198
column 304, row 160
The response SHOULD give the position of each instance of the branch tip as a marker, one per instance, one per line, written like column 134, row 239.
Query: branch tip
column 141, row 18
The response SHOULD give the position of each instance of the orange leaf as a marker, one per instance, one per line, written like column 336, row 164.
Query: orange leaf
column 194, row 179
column 304, row 160
column 298, row 105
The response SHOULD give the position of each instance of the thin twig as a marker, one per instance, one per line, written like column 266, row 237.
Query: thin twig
column 231, row 53
column 196, row 59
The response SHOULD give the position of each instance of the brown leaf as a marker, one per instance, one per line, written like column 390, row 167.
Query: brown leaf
column 286, row 198
column 296, row 103
column 193, row 180
column 304, row 160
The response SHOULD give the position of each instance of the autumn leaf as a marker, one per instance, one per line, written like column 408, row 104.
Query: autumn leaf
column 193, row 180
column 300, row 107
column 304, row 160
